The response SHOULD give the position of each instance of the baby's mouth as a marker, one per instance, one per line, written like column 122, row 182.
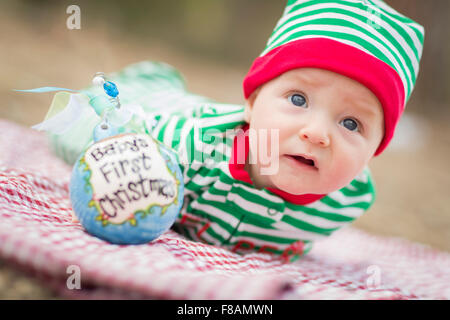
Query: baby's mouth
column 304, row 160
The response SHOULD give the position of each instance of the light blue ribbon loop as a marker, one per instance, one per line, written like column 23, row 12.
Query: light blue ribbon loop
column 102, row 105
column 98, row 102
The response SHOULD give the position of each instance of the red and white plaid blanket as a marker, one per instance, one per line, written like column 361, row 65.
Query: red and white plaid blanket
column 36, row 234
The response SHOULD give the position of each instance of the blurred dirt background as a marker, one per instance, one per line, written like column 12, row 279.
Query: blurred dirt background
column 213, row 42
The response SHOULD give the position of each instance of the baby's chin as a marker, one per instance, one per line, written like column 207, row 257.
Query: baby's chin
column 301, row 190
column 298, row 188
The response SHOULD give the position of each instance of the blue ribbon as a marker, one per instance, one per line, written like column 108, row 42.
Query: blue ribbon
column 46, row 89
column 52, row 89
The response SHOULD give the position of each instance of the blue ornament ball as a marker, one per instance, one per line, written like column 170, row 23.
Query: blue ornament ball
column 127, row 189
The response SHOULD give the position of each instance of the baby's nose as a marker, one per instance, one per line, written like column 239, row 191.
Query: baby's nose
column 315, row 136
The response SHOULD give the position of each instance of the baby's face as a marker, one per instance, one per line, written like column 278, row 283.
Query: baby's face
column 329, row 127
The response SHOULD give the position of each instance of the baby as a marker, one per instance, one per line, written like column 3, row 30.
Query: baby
column 289, row 167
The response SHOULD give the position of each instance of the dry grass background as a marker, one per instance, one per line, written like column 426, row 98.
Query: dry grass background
column 412, row 177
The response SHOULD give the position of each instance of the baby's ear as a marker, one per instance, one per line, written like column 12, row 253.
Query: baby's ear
column 249, row 105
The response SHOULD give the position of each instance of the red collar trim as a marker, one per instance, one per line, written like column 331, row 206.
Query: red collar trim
column 237, row 164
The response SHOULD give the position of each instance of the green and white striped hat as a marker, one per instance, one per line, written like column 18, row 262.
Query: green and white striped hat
column 365, row 40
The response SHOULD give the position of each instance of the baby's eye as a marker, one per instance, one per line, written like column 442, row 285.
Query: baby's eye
column 298, row 100
column 350, row 124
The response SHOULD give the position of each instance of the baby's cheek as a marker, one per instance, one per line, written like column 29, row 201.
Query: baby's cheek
column 268, row 118
column 344, row 170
